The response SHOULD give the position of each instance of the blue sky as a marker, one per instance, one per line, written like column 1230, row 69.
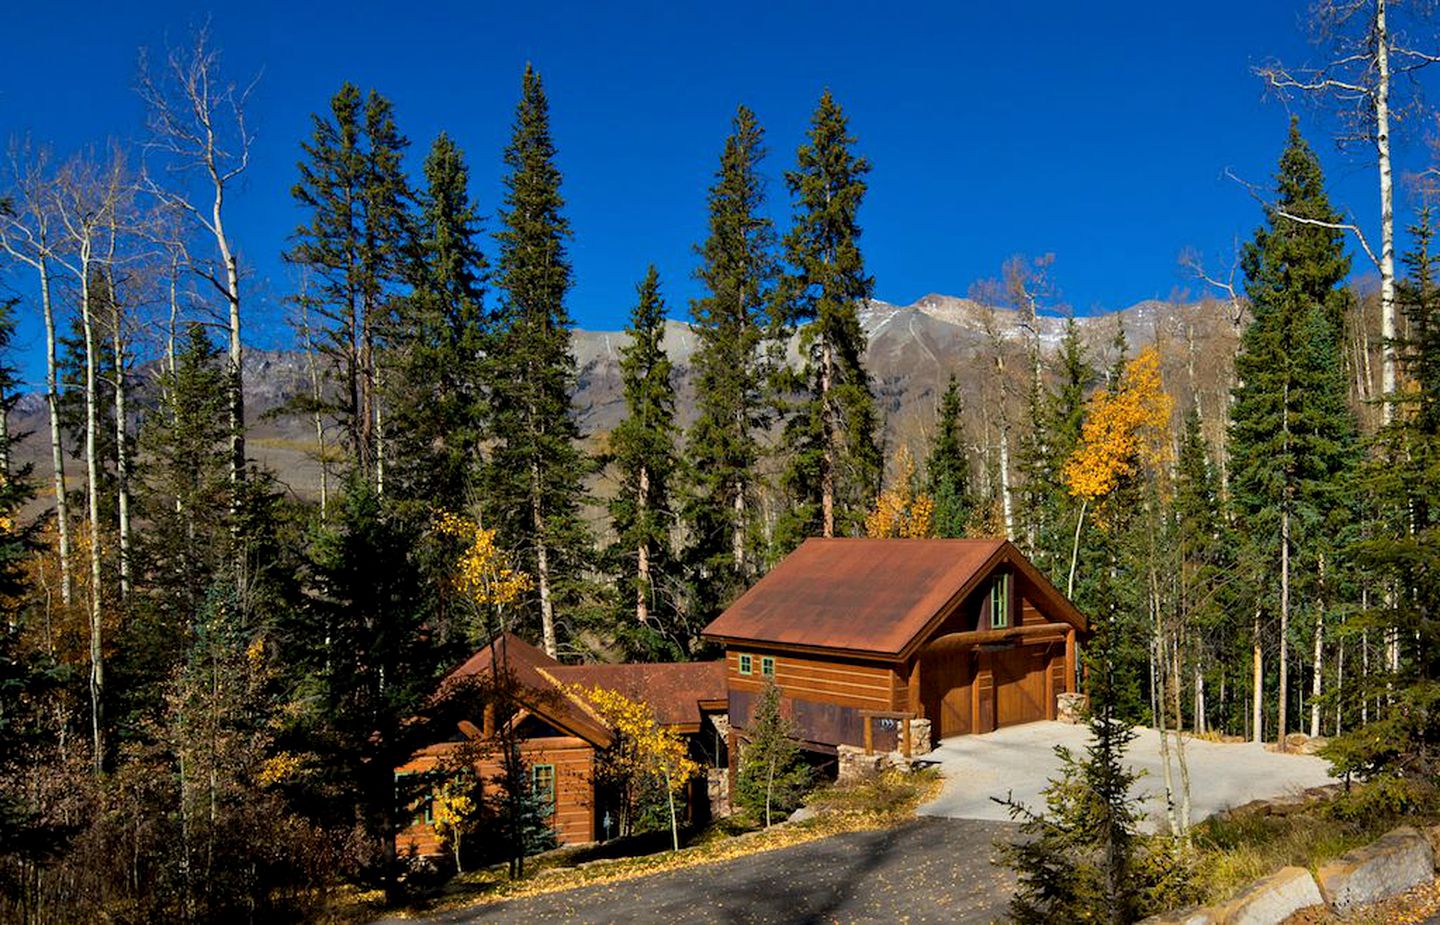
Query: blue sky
column 1096, row 131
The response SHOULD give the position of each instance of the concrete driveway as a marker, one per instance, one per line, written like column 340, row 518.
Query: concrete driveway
column 1020, row 760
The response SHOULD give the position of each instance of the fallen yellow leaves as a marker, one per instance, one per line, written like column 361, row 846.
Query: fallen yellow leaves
column 551, row 879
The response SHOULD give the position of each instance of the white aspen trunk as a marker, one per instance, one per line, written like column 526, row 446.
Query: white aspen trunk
column 1180, row 757
column 1075, row 549
column 827, row 421
column 642, row 552
column 1316, row 678
column 1387, row 208
column 236, row 353
column 1257, row 685
column 57, row 450
column 1364, row 668
column 379, row 441
column 122, row 454
column 92, row 496
column 1199, row 723
column 1339, row 684
column 542, row 563
column 1283, row 656
column 1007, row 504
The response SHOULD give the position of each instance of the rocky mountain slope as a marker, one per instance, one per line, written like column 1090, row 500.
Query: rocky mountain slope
column 913, row 350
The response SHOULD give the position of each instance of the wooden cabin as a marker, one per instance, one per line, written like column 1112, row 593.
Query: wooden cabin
column 863, row 635
column 560, row 738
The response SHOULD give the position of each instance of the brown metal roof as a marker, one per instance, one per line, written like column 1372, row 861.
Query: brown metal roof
column 872, row 596
column 537, row 692
column 674, row 690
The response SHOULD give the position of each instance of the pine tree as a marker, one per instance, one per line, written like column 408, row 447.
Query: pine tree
column 1082, row 858
column 1057, row 415
column 738, row 273
column 831, row 435
column 947, row 468
column 537, row 469
column 1292, row 435
column 644, row 454
column 1400, row 551
column 435, row 388
column 1203, row 562
column 354, row 251
column 361, row 661
column 773, row 777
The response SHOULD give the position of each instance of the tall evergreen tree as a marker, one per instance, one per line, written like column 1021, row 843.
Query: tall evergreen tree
column 1057, row 415
column 1292, row 435
column 643, row 448
column 947, row 468
column 353, row 250
column 537, row 470
column 831, row 436
column 435, row 387
column 1401, row 548
column 738, row 272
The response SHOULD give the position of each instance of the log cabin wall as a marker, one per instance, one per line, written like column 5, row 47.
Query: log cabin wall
column 823, row 696
column 573, row 761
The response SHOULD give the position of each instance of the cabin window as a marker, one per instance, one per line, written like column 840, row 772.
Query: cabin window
column 1000, row 601
column 542, row 778
column 767, row 666
column 421, row 806
column 747, row 663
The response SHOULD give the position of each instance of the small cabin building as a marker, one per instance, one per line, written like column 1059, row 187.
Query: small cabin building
column 560, row 738
column 861, row 636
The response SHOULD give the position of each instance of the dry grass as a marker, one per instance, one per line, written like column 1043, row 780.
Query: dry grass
column 887, row 800
column 1233, row 852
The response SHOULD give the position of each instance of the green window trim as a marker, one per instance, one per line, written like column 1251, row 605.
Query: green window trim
column 425, row 801
column 1000, row 601
column 542, row 782
column 747, row 663
column 767, row 666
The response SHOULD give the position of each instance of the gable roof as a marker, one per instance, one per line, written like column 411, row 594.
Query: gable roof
column 674, row 690
column 872, row 596
column 537, row 693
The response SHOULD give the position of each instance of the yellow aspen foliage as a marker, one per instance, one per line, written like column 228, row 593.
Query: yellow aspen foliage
column 481, row 572
column 453, row 810
column 647, row 748
column 1124, row 431
column 644, row 749
column 900, row 511
column 280, row 768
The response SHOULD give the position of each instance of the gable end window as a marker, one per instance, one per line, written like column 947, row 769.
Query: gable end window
column 747, row 664
column 767, row 666
column 1000, row 601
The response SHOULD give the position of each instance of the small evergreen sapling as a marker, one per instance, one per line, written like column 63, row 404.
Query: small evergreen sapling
column 773, row 778
column 1082, row 858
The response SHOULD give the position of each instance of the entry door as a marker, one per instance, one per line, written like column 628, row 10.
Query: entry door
column 1019, row 685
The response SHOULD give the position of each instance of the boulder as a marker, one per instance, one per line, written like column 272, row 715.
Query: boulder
column 1273, row 899
column 801, row 814
column 1397, row 861
column 1071, row 708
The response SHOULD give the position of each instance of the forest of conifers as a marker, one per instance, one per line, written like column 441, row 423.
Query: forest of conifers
column 205, row 679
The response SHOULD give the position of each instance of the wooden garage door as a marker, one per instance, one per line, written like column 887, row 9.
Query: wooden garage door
column 1019, row 685
column 945, row 680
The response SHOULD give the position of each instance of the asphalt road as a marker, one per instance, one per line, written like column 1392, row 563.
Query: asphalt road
column 929, row 870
